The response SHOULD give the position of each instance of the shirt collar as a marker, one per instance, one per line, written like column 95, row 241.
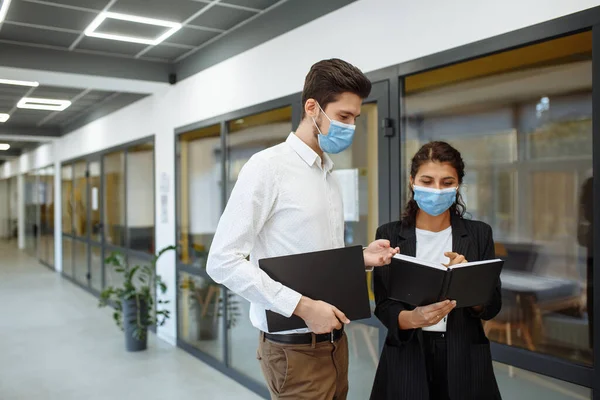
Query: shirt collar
column 307, row 154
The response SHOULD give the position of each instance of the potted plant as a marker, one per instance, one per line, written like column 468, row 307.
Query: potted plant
column 134, row 309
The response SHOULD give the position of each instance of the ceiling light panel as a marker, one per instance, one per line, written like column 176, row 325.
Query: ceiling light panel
column 18, row 83
column 4, row 117
column 91, row 30
column 4, row 9
column 4, row 146
column 33, row 103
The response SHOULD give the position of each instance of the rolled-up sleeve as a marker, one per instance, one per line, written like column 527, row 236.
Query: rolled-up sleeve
column 248, row 209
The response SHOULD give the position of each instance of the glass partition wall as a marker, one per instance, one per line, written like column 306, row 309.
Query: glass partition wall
column 8, row 209
column 39, row 213
column 522, row 119
column 32, row 212
column 107, row 205
column 47, row 215
column 523, row 122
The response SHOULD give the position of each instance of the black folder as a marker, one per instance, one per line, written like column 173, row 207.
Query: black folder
column 334, row 276
column 420, row 283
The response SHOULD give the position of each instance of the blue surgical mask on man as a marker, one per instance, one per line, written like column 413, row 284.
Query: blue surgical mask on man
column 434, row 201
column 339, row 136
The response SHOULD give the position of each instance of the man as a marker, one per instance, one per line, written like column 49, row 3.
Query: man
column 287, row 202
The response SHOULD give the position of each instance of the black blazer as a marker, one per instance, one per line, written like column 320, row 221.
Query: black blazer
column 401, row 374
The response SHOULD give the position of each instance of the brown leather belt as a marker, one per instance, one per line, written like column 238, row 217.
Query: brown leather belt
column 305, row 338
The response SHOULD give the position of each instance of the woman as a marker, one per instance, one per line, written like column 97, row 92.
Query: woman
column 435, row 352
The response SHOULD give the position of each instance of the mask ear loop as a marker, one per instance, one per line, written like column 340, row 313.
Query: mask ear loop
column 326, row 116
column 316, row 126
column 315, row 122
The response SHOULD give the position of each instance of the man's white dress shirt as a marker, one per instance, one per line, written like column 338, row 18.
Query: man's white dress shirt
column 285, row 201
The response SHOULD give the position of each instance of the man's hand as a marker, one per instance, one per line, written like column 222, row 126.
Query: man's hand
column 320, row 317
column 455, row 258
column 379, row 253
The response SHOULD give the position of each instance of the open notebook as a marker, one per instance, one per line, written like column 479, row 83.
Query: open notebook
column 418, row 282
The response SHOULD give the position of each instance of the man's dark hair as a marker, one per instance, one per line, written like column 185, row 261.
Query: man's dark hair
column 328, row 79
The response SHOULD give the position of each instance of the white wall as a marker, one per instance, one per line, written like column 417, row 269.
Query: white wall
column 387, row 32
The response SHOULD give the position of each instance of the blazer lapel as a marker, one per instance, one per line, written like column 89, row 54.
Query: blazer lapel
column 461, row 240
column 407, row 240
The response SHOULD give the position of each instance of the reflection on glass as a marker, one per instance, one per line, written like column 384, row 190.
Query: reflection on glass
column 67, row 256
column 80, row 262
column 80, row 199
column 96, row 267
column 201, row 315
column 67, row 198
column 248, row 136
column 522, row 120
column 515, row 383
column 200, row 195
column 114, row 198
column 31, row 213
column 140, row 197
column 94, row 201
column 363, row 349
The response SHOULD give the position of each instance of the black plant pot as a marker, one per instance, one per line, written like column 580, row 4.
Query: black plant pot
column 130, row 316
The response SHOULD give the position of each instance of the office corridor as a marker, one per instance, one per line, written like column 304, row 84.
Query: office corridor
column 55, row 343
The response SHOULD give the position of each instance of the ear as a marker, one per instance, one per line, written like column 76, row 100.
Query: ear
column 311, row 108
column 412, row 181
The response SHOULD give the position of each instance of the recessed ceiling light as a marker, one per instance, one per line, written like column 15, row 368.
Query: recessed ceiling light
column 18, row 83
column 91, row 30
column 4, row 9
column 43, row 104
column 4, row 117
column 4, row 146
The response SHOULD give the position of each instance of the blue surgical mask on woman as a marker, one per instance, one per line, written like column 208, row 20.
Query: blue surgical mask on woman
column 339, row 136
column 434, row 201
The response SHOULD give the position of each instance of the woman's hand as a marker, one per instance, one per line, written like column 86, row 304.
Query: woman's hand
column 425, row 316
column 455, row 258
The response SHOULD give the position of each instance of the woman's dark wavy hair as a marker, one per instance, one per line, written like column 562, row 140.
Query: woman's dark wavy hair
column 440, row 152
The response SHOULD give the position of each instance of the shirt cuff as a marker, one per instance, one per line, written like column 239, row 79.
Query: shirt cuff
column 367, row 268
column 286, row 302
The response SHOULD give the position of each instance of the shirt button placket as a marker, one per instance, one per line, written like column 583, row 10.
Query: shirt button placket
column 330, row 213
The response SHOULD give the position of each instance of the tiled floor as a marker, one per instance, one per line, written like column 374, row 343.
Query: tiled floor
column 55, row 343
